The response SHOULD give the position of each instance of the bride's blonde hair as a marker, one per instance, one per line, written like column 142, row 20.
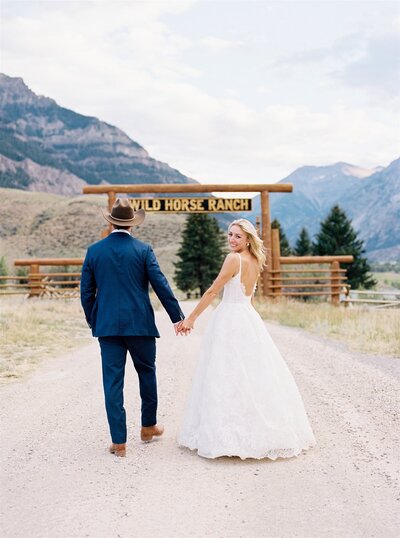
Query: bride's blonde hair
column 256, row 245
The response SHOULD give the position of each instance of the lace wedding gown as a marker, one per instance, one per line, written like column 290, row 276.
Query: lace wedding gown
column 243, row 400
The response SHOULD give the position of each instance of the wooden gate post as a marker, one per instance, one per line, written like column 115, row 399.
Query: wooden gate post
column 276, row 263
column 34, row 280
column 266, row 237
column 112, row 196
column 335, row 282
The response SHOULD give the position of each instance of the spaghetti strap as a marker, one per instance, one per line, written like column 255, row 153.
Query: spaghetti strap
column 240, row 264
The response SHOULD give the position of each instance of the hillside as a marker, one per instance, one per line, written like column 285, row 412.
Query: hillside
column 45, row 224
column 45, row 147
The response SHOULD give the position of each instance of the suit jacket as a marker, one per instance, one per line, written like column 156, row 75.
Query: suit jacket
column 115, row 288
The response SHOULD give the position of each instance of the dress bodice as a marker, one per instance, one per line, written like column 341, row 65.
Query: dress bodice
column 234, row 290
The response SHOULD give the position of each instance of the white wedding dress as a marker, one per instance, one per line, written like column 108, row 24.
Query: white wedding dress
column 243, row 400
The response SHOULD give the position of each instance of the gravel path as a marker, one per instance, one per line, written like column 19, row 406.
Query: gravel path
column 58, row 479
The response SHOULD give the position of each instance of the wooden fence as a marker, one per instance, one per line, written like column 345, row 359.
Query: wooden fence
column 376, row 299
column 302, row 279
column 38, row 283
column 306, row 280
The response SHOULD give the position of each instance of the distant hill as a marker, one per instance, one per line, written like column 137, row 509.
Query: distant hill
column 371, row 198
column 34, row 224
column 45, row 147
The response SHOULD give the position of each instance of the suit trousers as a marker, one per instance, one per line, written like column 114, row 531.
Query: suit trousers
column 142, row 349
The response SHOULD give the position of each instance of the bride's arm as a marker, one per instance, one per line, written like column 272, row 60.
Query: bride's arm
column 228, row 270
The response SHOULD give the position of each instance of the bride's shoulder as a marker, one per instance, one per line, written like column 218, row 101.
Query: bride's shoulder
column 231, row 256
column 232, row 260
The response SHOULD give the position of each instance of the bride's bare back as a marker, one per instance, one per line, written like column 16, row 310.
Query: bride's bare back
column 250, row 272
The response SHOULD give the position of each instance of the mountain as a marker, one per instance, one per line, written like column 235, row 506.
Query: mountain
column 45, row 147
column 375, row 209
column 371, row 198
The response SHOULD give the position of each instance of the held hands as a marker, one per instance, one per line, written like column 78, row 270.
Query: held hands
column 184, row 327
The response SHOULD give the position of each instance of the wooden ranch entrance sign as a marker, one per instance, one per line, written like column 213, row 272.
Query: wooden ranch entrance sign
column 192, row 205
column 264, row 190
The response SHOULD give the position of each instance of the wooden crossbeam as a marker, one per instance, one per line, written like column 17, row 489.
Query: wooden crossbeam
column 284, row 271
column 301, row 294
column 297, row 278
column 187, row 188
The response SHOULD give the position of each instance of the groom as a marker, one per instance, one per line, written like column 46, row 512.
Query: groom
column 115, row 298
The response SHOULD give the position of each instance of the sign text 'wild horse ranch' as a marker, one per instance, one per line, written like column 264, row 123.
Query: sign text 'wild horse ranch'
column 192, row 205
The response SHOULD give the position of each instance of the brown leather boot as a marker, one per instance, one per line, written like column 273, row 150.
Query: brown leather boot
column 118, row 450
column 148, row 432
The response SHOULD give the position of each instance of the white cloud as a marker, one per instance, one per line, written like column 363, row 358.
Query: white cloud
column 378, row 67
column 370, row 62
column 217, row 44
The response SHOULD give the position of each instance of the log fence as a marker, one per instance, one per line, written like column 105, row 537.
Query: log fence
column 37, row 283
column 375, row 299
column 302, row 281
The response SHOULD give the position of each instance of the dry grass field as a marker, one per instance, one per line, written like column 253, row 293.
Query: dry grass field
column 387, row 280
column 34, row 224
column 35, row 329
column 363, row 329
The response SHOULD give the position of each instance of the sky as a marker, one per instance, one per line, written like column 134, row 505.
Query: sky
column 224, row 91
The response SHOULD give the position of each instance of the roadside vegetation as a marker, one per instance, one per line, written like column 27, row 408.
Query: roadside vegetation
column 36, row 329
column 387, row 280
column 367, row 330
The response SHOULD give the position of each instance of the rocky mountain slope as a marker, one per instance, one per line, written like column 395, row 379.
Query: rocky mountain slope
column 45, row 147
column 371, row 198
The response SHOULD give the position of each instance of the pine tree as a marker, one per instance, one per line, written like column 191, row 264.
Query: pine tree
column 303, row 245
column 337, row 236
column 201, row 253
column 283, row 240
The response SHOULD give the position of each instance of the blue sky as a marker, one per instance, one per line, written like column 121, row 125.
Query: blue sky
column 224, row 91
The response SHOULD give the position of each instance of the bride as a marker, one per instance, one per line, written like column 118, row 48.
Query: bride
column 243, row 400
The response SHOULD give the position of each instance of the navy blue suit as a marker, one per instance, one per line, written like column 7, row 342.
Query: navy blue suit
column 115, row 282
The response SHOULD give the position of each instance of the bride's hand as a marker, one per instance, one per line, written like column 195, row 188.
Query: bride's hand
column 186, row 326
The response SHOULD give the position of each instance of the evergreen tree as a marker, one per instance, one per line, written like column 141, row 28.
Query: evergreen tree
column 283, row 240
column 201, row 253
column 337, row 236
column 303, row 245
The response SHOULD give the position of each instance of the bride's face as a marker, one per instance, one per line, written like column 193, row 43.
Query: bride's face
column 237, row 239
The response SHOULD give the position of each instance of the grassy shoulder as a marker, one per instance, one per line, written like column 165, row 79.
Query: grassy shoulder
column 364, row 330
column 387, row 280
column 35, row 329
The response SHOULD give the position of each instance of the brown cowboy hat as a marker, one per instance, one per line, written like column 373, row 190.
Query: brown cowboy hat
column 122, row 214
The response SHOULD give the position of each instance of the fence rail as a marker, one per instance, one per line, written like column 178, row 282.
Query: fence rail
column 376, row 299
column 37, row 283
column 299, row 281
column 303, row 281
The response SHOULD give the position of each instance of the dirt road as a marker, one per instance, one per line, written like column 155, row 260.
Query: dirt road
column 58, row 479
